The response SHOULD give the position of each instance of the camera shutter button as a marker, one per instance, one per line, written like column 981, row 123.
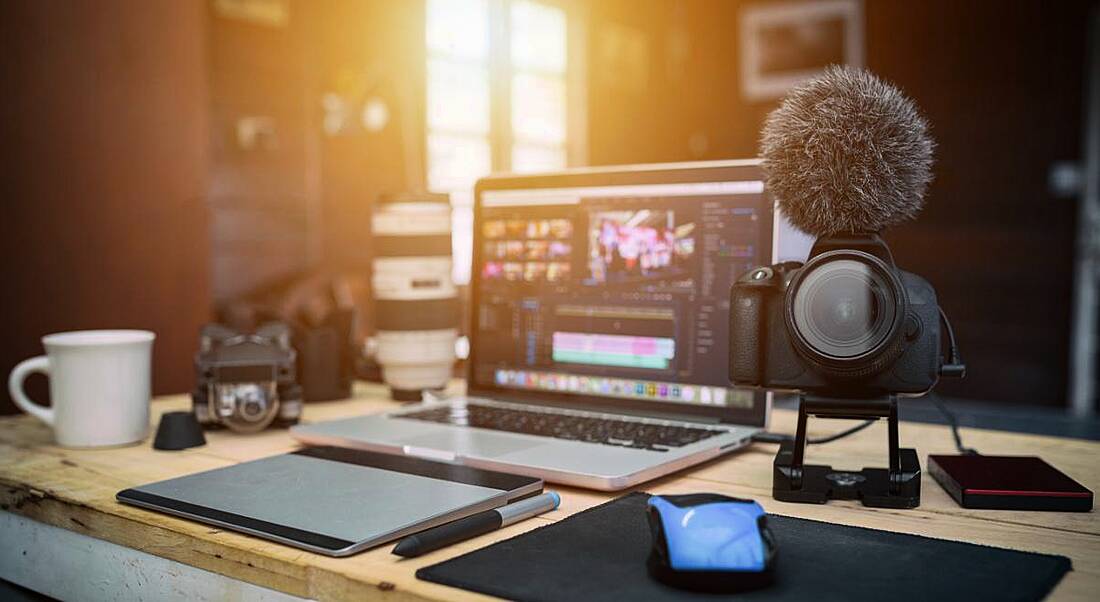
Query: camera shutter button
column 761, row 274
column 912, row 327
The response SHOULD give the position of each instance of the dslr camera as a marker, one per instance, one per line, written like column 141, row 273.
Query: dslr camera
column 846, row 324
column 246, row 381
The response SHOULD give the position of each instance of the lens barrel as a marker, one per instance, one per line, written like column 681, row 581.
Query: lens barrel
column 416, row 303
column 246, row 407
column 845, row 310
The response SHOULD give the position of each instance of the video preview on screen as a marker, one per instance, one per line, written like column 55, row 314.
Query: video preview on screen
column 631, row 245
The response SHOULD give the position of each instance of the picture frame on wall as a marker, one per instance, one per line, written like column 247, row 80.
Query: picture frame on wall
column 784, row 43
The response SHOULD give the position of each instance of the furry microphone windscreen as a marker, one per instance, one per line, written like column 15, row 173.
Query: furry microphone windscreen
column 847, row 152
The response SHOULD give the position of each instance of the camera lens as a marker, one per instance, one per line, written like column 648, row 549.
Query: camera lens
column 416, row 303
column 253, row 409
column 845, row 309
column 252, row 402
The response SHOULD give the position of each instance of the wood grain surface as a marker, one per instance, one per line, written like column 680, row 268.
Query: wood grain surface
column 75, row 489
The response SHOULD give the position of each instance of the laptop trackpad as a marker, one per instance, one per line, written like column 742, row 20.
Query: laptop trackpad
column 470, row 443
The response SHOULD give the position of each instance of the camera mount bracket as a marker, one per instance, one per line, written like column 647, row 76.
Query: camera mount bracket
column 895, row 487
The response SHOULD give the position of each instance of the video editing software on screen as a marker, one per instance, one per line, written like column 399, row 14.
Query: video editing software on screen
column 616, row 291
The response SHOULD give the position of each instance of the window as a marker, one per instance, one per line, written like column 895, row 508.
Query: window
column 497, row 98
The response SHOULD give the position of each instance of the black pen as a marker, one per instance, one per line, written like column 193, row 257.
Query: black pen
column 474, row 525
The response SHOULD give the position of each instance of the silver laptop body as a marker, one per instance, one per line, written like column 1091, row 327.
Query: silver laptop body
column 598, row 353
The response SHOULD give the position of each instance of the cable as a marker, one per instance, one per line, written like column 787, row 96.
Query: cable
column 953, row 367
column 766, row 437
column 948, row 415
column 954, row 423
column 842, row 434
column 778, row 438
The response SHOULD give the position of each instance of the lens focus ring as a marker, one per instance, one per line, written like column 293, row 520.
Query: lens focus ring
column 844, row 310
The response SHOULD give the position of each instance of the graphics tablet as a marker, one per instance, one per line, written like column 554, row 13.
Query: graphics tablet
column 332, row 501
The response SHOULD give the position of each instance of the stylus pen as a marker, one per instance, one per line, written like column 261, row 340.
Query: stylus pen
column 474, row 525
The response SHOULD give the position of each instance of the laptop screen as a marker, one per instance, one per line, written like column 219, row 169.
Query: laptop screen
column 614, row 286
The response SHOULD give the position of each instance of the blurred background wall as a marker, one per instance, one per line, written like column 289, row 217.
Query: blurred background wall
column 163, row 158
column 1001, row 84
column 105, row 224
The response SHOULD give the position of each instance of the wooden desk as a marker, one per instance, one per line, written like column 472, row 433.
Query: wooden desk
column 75, row 491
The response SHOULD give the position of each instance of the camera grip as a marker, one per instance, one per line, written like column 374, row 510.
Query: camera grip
column 746, row 342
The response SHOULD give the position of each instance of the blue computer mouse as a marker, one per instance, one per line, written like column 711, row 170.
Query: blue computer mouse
column 710, row 542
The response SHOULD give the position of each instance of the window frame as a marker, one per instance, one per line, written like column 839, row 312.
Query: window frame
column 500, row 74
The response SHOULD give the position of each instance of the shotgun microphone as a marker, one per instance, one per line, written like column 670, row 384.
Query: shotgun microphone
column 847, row 153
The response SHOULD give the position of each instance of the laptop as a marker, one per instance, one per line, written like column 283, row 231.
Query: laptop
column 599, row 328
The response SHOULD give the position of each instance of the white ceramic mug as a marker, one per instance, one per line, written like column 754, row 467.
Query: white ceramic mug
column 99, row 385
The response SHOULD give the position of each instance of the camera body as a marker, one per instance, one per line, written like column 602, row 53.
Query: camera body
column 846, row 324
column 246, row 381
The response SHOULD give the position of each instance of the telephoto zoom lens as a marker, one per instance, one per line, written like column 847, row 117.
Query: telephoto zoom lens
column 846, row 311
column 416, row 304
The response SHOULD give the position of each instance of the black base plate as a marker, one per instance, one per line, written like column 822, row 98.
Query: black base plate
column 819, row 484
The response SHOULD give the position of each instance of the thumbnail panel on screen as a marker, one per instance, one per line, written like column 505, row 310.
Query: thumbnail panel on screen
column 531, row 251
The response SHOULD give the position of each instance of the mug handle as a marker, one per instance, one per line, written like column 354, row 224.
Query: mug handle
column 15, row 386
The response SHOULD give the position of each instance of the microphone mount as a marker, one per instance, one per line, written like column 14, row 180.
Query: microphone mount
column 895, row 487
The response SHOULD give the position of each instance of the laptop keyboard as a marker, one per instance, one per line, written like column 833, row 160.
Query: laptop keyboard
column 608, row 431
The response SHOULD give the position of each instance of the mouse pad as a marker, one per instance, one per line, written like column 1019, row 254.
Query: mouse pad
column 600, row 554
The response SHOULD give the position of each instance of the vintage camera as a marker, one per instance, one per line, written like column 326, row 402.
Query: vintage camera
column 246, row 381
column 846, row 324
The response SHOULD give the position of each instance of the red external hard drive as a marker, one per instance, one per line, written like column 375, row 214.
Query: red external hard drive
column 1008, row 483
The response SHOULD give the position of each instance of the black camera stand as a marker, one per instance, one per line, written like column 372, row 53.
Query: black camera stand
column 896, row 487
